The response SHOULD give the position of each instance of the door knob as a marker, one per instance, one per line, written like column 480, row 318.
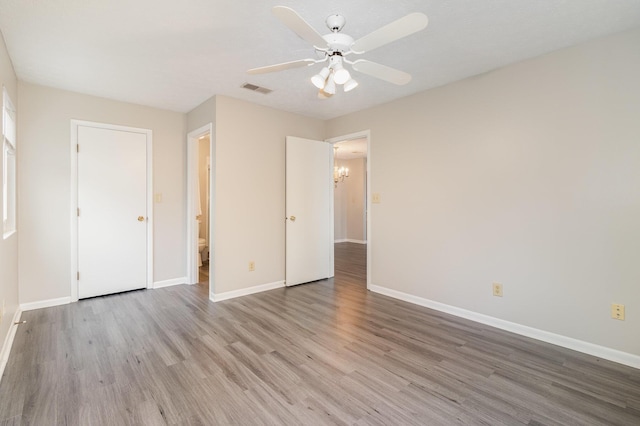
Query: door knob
column 292, row 218
column 140, row 218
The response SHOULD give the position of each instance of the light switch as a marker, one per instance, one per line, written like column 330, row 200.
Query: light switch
column 376, row 198
column 158, row 197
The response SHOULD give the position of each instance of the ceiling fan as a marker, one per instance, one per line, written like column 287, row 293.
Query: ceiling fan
column 333, row 49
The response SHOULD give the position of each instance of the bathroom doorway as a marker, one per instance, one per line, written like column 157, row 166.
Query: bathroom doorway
column 200, row 176
column 202, row 212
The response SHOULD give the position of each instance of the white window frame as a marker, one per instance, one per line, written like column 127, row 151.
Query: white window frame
column 9, row 175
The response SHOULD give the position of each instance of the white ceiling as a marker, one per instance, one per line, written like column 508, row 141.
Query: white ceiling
column 176, row 54
column 350, row 149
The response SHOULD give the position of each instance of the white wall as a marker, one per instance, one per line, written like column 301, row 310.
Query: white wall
column 529, row 176
column 44, row 184
column 249, row 188
column 8, row 247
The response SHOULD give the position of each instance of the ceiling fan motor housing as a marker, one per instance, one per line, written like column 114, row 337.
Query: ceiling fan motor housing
column 338, row 43
column 335, row 22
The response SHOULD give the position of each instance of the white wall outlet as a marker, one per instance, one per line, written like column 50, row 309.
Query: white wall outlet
column 252, row 266
column 375, row 199
column 617, row 311
column 497, row 289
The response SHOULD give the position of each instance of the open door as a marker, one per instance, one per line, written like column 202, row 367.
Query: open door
column 309, row 210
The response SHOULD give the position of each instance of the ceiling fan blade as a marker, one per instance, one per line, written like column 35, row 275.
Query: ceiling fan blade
column 281, row 67
column 382, row 72
column 396, row 30
column 291, row 19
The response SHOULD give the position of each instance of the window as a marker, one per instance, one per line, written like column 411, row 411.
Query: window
column 8, row 165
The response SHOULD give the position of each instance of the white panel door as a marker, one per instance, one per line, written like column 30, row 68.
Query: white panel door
column 112, row 203
column 309, row 210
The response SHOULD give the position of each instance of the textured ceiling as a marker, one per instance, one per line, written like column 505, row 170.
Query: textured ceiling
column 350, row 149
column 174, row 55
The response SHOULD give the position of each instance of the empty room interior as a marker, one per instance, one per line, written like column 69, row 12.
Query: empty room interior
column 286, row 212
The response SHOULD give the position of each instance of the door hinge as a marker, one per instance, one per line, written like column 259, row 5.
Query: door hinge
column 78, row 276
column 77, row 147
column 78, row 211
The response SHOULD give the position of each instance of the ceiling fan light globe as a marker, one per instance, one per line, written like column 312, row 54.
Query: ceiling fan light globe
column 350, row 85
column 330, row 87
column 341, row 76
column 319, row 80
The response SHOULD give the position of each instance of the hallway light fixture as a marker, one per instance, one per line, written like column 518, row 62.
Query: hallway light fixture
column 339, row 173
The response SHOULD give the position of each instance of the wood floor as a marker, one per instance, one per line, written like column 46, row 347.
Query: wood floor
column 323, row 353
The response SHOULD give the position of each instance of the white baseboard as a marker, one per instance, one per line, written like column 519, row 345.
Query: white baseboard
column 356, row 241
column 45, row 303
column 603, row 352
column 245, row 291
column 169, row 283
column 8, row 341
column 349, row 240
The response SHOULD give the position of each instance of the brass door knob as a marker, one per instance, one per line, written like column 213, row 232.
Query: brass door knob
column 292, row 218
column 140, row 218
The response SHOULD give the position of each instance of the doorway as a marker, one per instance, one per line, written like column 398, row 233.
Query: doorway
column 352, row 198
column 200, row 207
column 350, row 175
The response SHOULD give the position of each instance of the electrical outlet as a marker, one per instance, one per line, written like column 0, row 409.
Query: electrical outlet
column 617, row 311
column 497, row 289
column 252, row 266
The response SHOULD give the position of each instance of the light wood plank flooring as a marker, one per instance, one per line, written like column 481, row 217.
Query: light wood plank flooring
column 323, row 353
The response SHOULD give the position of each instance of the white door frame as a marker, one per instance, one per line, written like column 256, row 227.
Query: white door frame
column 192, row 187
column 74, row 197
column 359, row 135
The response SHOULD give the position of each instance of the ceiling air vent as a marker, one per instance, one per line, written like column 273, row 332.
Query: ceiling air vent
column 255, row 88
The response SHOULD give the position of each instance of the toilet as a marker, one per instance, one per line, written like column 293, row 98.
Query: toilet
column 203, row 253
column 202, row 249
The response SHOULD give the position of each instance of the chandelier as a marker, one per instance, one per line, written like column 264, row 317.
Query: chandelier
column 339, row 173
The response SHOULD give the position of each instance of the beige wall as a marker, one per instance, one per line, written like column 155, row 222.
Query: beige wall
column 356, row 197
column 249, row 188
column 250, row 199
column 44, row 184
column 8, row 247
column 527, row 176
column 340, row 212
column 349, row 203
